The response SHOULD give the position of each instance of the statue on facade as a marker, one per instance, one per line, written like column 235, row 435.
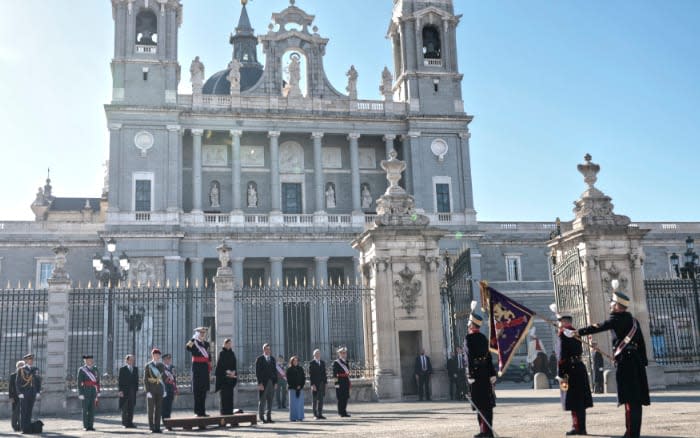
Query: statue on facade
column 214, row 195
column 366, row 196
column 40, row 200
column 352, row 83
column 197, row 74
column 387, row 85
column 234, row 76
column 330, row 196
column 252, row 196
column 292, row 89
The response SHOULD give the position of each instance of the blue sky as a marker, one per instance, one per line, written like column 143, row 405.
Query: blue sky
column 547, row 82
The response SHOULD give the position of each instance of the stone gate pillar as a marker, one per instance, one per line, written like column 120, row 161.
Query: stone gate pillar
column 223, row 298
column 54, row 384
column 399, row 257
column 609, row 248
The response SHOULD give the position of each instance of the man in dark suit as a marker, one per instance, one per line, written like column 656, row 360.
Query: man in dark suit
column 318, row 379
column 423, row 369
column 128, row 387
column 266, row 374
column 455, row 370
column 14, row 396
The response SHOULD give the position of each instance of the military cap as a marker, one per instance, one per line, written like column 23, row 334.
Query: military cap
column 87, row 356
column 564, row 314
column 155, row 351
column 621, row 298
column 342, row 350
column 167, row 355
column 476, row 319
column 28, row 356
column 201, row 329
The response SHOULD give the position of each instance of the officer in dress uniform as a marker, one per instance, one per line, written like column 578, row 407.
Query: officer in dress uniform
column 481, row 375
column 341, row 372
column 88, row 390
column 153, row 383
column 170, row 385
column 14, row 397
column 630, row 359
column 201, row 367
column 28, row 384
column 573, row 377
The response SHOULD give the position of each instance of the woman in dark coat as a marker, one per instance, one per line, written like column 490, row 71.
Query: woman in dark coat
column 571, row 372
column 481, row 376
column 295, row 382
column 226, row 377
column 630, row 360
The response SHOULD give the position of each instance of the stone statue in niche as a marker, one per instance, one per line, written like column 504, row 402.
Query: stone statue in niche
column 330, row 196
column 252, row 195
column 292, row 89
column 352, row 83
column 234, row 76
column 214, row 195
column 366, row 196
column 387, row 85
column 197, row 73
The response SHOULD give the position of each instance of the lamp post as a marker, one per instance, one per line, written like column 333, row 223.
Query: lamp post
column 109, row 272
column 448, row 296
column 689, row 270
column 133, row 316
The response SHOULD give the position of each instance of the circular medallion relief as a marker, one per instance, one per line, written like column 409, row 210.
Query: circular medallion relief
column 439, row 148
column 144, row 140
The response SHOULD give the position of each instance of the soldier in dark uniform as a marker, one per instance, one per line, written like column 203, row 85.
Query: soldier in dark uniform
column 598, row 367
column 201, row 367
column 481, row 375
column 154, row 385
column 14, row 397
column 573, row 377
column 88, row 390
column 170, row 385
column 630, row 359
column 28, row 384
column 341, row 372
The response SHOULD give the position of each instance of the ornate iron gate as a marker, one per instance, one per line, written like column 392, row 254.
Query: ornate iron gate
column 569, row 294
column 457, row 294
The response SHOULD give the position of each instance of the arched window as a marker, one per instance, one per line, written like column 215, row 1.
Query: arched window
column 432, row 49
column 146, row 28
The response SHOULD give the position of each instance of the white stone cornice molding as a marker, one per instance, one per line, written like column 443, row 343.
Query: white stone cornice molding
column 413, row 134
column 175, row 258
column 389, row 137
column 354, row 136
column 198, row 132
column 236, row 133
column 321, row 258
column 271, row 134
column 115, row 126
column 276, row 259
column 315, row 135
column 173, row 128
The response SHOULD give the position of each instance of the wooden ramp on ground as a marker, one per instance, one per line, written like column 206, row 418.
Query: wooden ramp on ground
column 188, row 423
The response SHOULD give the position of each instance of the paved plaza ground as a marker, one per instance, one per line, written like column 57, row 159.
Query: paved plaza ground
column 521, row 413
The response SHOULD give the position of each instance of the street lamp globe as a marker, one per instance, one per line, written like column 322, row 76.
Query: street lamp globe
column 111, row 245
column 97, row 263
column 689, row 243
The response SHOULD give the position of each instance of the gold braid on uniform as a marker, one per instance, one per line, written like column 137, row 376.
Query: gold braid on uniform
column 27, row 380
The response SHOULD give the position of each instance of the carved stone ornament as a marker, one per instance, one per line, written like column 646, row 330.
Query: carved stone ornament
column 59, row 270
column 594, row 208
column 609, row 274
column 144, row 140
column 439, row 148
column 407, row 290
column 395, row 206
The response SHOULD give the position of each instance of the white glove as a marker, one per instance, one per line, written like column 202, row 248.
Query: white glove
column 471, row 381
column 38, row 395
column 165, row 394
column 559, row 379
column 81, row 397
column 21, row 396
column 493, row 379
column 149, row 395
column 569, row 333
column 600, row 369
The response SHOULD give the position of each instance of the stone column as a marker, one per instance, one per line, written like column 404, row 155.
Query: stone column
column 53, row 391
column 277, row 276
column 414, row 179
column 388, row 143
column 223, row 298
column 236, row 171
column 319, row 321
column 197, row 170
column 196, row 272
column 407, row 174
column 174, row 168
column 355, row 172
column 237, row 265
column 469, row 211
column 319, row 188
column 172, row 270
column 115, row 146
column 275, row 172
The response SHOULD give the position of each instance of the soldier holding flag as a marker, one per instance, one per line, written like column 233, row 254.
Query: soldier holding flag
column 481, row 375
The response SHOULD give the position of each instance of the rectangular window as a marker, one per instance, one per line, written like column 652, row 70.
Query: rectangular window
column 442, row 194
column 45, row 271
column 143, row 195
column 513, row 268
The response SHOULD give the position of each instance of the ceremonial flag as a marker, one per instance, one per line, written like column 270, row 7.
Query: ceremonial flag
column 509, row 323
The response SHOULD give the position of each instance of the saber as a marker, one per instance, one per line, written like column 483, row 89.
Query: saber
column 469, row 399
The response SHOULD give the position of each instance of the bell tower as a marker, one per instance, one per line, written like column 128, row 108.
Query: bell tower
column 145, row 70
column 424, row 38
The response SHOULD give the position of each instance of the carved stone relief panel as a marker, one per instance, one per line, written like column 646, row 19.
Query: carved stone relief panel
column 252, row 156
column 291, row 157
column 368, row 158
column 214, row 155
column 146, row 270
column 331, row 158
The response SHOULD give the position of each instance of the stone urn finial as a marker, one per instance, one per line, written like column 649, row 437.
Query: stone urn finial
column 589, row 170
column 393, row 168
column 59, row 270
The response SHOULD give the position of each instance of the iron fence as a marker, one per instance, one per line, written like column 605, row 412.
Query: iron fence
column 674, row 321
column 23, row 325
column 141, row 318
column 295, row 320
column 457, row 294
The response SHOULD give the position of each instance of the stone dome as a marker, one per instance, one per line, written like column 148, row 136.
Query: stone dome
column 218, row 84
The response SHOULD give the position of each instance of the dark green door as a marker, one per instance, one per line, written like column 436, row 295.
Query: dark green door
column 291, row 198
